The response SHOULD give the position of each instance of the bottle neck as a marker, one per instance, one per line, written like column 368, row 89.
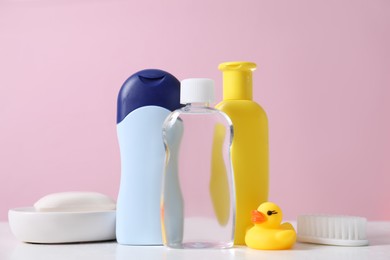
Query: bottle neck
column 198, row 104
column 237, row 85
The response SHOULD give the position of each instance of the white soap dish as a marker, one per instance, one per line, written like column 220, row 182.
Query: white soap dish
column 33, row 226
column 65, row 217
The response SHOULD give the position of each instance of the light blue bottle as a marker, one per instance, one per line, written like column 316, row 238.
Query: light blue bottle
column 144, row 101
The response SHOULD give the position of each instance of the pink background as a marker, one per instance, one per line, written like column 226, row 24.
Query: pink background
column 323, row 78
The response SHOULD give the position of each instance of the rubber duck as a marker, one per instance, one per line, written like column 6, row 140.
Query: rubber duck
column 268, row 233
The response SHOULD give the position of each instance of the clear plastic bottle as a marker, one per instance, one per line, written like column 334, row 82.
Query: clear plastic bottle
column 198, row 201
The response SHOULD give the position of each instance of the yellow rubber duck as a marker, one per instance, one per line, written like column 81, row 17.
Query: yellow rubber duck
column 268, row 232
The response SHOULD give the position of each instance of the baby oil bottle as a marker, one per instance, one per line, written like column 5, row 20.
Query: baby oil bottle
column 198, row 199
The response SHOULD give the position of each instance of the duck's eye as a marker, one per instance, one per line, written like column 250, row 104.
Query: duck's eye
column 271, row 212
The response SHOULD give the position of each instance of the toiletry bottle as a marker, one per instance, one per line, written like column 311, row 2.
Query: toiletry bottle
column 192, row 135
column 250, row 144
column 144, row 101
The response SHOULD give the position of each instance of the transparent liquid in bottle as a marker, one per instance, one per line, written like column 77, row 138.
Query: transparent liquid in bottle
column 198, row 202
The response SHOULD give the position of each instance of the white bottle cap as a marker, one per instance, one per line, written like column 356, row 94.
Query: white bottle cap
column 197, row 90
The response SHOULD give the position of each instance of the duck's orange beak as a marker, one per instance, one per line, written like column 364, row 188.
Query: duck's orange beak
column 258, row 217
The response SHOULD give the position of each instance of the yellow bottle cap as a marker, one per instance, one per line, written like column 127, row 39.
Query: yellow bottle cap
column 237, row 79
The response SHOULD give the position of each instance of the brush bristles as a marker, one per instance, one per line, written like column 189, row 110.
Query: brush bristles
column 336, row 230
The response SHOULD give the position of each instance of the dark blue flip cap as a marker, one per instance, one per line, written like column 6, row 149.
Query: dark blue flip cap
column 150, row 87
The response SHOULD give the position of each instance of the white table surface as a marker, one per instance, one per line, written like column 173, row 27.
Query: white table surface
column 378, row 235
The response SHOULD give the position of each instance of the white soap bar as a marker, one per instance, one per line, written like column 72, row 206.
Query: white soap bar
column 75, row 202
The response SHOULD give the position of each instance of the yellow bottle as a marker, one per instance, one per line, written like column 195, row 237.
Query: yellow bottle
column 250, row 143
